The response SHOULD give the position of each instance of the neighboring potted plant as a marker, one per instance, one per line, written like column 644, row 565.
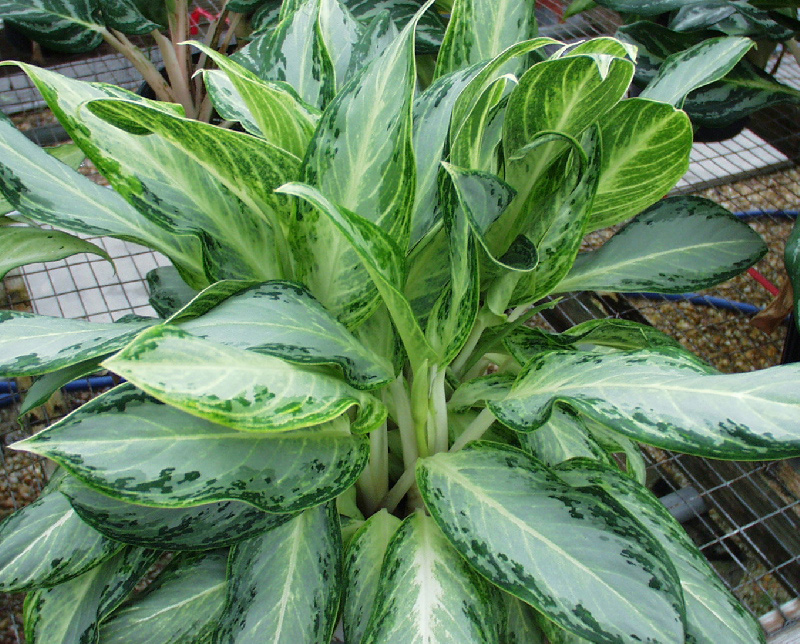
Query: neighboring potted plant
column 344, row 417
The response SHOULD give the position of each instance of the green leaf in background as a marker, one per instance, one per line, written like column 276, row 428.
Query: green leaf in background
column 646, row 148
column 21, row 245
column 46, row 385
column 46, row 543
column 479, row 30
column 713, row 614
column 183, row 605
column 521, row 627
column 342, row 34
column 72, row 611
column 791, row 259
column 695, row 67
column 238, row 388
column 663, row 398
column 430, row 27
column 68, row 153
column 362, row 572
column 69, row 26
column 168, row 291
column 131, row 447
column 478, row 391
column 282, row 319
column 126, row 16
column 203, row 527
column 285, row 585
column 428, row 593
column 33, row 344
column 574, row 555
column 228, row 102
column 645, row 7
column 732, row 19
column 679, row 244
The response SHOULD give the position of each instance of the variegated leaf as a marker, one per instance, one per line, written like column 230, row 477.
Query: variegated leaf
column 72, row 611
column 562, row 437
column 70, row 26
column 228, row 102
column 131, row 447
column 33, row 344
column 677, row 245
column 713, row 614
column 699, row 65
column 477, row 392
column 573, row 554
column 203, row 527
column 360, row 159
column 285, row 585
column 341, row 33
column 644, row 7
column 21, row 245
column 427, row 593
column 733, row 19
column 362, row 572
column 29, row 177
column 238, row 388
column 168, row 292
column 46, row 543
column 183, row 606
column 430, row 27
column 646, row 148
column 521, row 625
column 126, row 16
column 664, row 399
column 378, row 34
column 282, row 319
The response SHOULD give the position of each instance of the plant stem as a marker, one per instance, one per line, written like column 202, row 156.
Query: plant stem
column 177, row 74
column 377, row 481
column 149, row 72
column 419, row 407
column 398, row 490
column 469, row 346
column 405, row 421
column 475, row 430
column 439, row 410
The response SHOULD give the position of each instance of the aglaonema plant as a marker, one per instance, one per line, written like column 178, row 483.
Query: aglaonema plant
column 340, row 415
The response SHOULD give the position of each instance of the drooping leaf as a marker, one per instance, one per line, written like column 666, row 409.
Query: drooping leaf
column 284, row 586
column 713, row 614
column 663, row 398
column 46, row 385
column 203, row 527
column 131, row 447
column 478, row 391
column 70, row 26
column 184, row 605
column 33, row 344
column 73, row 610
column 362, row 572
column 282, row 319
column 562, row 437
column 574, row 555
column 46, row 543
column 646, row 149
column 677, row 245
column 228, row 101
column 428, row 593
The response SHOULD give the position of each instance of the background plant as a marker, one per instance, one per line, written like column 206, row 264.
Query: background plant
column 340, row 412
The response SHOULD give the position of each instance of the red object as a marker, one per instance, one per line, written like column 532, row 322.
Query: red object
column 194, row 19
column 758, row 277
column 556, row 6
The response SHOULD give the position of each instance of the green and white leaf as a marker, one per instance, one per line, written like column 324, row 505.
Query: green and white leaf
column 284, row 586
column 713, row 614
column 342, row 34
column 521, row 625
column 203, row 527
column 73, row 610
column 70, row 26
column 33, row 344
column 478, row 391
column 663, row 398
column 282, row 319
column 168, row 291
column 430, row 27
column 362, row 572
column 126, row 16
column 574, row 555
column 45, row 544
column 427, row 593
column 562, row 437
column 129, row 446
column 677, row 245
column 182, row 607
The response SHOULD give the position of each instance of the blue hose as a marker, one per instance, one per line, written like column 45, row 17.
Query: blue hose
column 706, row 300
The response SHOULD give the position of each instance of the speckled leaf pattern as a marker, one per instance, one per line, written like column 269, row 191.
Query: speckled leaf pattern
column 573, row 554
column 238, row 388
column 21, row 245
column 72, row 611
column 479, row 30
column 666, row 399
column 643, row 7
column 284, row 586
column 677, row 245
column 477, row 392
column 228, row 102
column 136, row 449
column 33, row 344
column 342, row 34
column 562, row 437
column 280, row 115
column 521, row 626
column 646, row 148
column 182, row 607
column 362, row 572
column 383, row 261
column 46, row 544
column 70, row 26
column 203, row 527
column 282, row 319
column 230, row 176
column 360, row 159
column 28, row 176
column 430, row 28
column 427, row 593
column 125, row 16
column 695, row 67
column 713, row 614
